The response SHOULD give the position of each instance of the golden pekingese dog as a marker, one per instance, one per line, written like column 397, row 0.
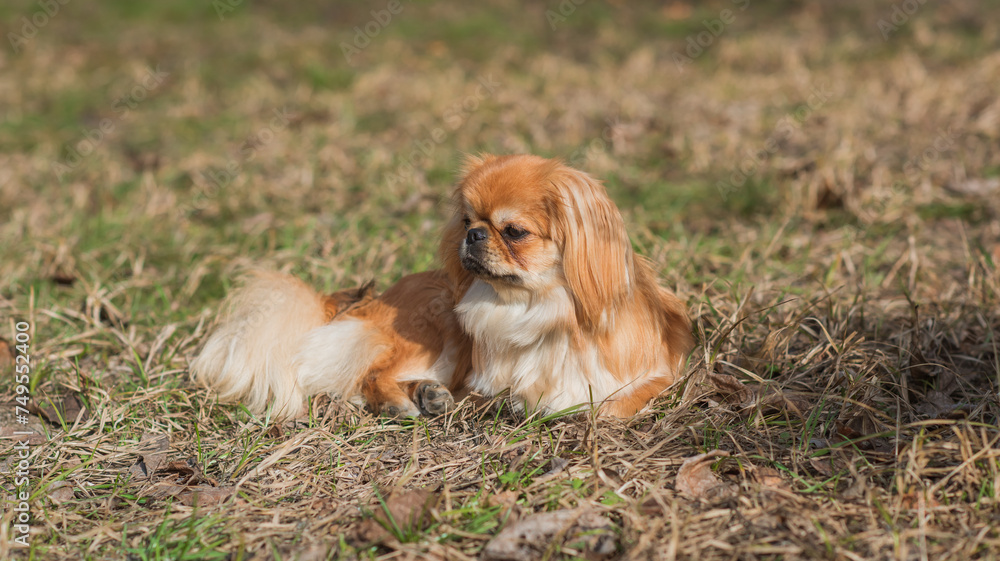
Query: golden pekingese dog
column 541, row 294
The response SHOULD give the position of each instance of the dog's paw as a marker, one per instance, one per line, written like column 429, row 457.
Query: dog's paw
column 400, row 410
column 434, row 399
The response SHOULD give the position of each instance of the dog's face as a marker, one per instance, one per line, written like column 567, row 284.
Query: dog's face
column 525, row 224
column 506, row 223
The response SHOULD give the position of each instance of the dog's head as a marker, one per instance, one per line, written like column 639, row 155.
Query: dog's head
column 528, row 224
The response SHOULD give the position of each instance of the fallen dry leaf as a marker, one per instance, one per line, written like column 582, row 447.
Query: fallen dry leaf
column 181, row 467
column 190, row 473
column 937, row 405
column 61, row 492
column 181, row 480
column 137, row 470
column 583, row 530
column 856, row 490
column 153, row 454
column 190, row 495
column 769, row 477
column 67, row 407
column 782, row 401
column 772, row 485
column 73, row 407
column 653, row 506
column 697, row 479
column 823, row 466
column 408, row 509
column 848, row 430
column 405, row 511
column 6, row 355
column 860, row 428
column 729, row 388
column 369, row 533
column 505, row 499
column 10, row 426
column 556, row 466
column 204, row 495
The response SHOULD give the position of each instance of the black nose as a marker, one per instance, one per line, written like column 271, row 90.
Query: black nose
column 475, row 235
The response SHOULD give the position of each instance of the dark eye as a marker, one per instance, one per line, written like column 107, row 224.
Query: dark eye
column 514, row 233
column 466, row 221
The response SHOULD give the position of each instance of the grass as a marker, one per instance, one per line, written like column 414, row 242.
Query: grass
column 840, row 261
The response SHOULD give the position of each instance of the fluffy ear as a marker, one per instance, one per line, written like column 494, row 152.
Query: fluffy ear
column 598, row 260
column 676, row 324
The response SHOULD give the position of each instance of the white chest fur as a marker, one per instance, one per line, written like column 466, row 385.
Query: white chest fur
column 529, row 346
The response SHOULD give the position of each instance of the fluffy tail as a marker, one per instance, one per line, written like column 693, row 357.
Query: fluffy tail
column 274, row 346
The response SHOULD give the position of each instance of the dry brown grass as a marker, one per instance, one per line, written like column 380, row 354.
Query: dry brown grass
column 846, row 295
